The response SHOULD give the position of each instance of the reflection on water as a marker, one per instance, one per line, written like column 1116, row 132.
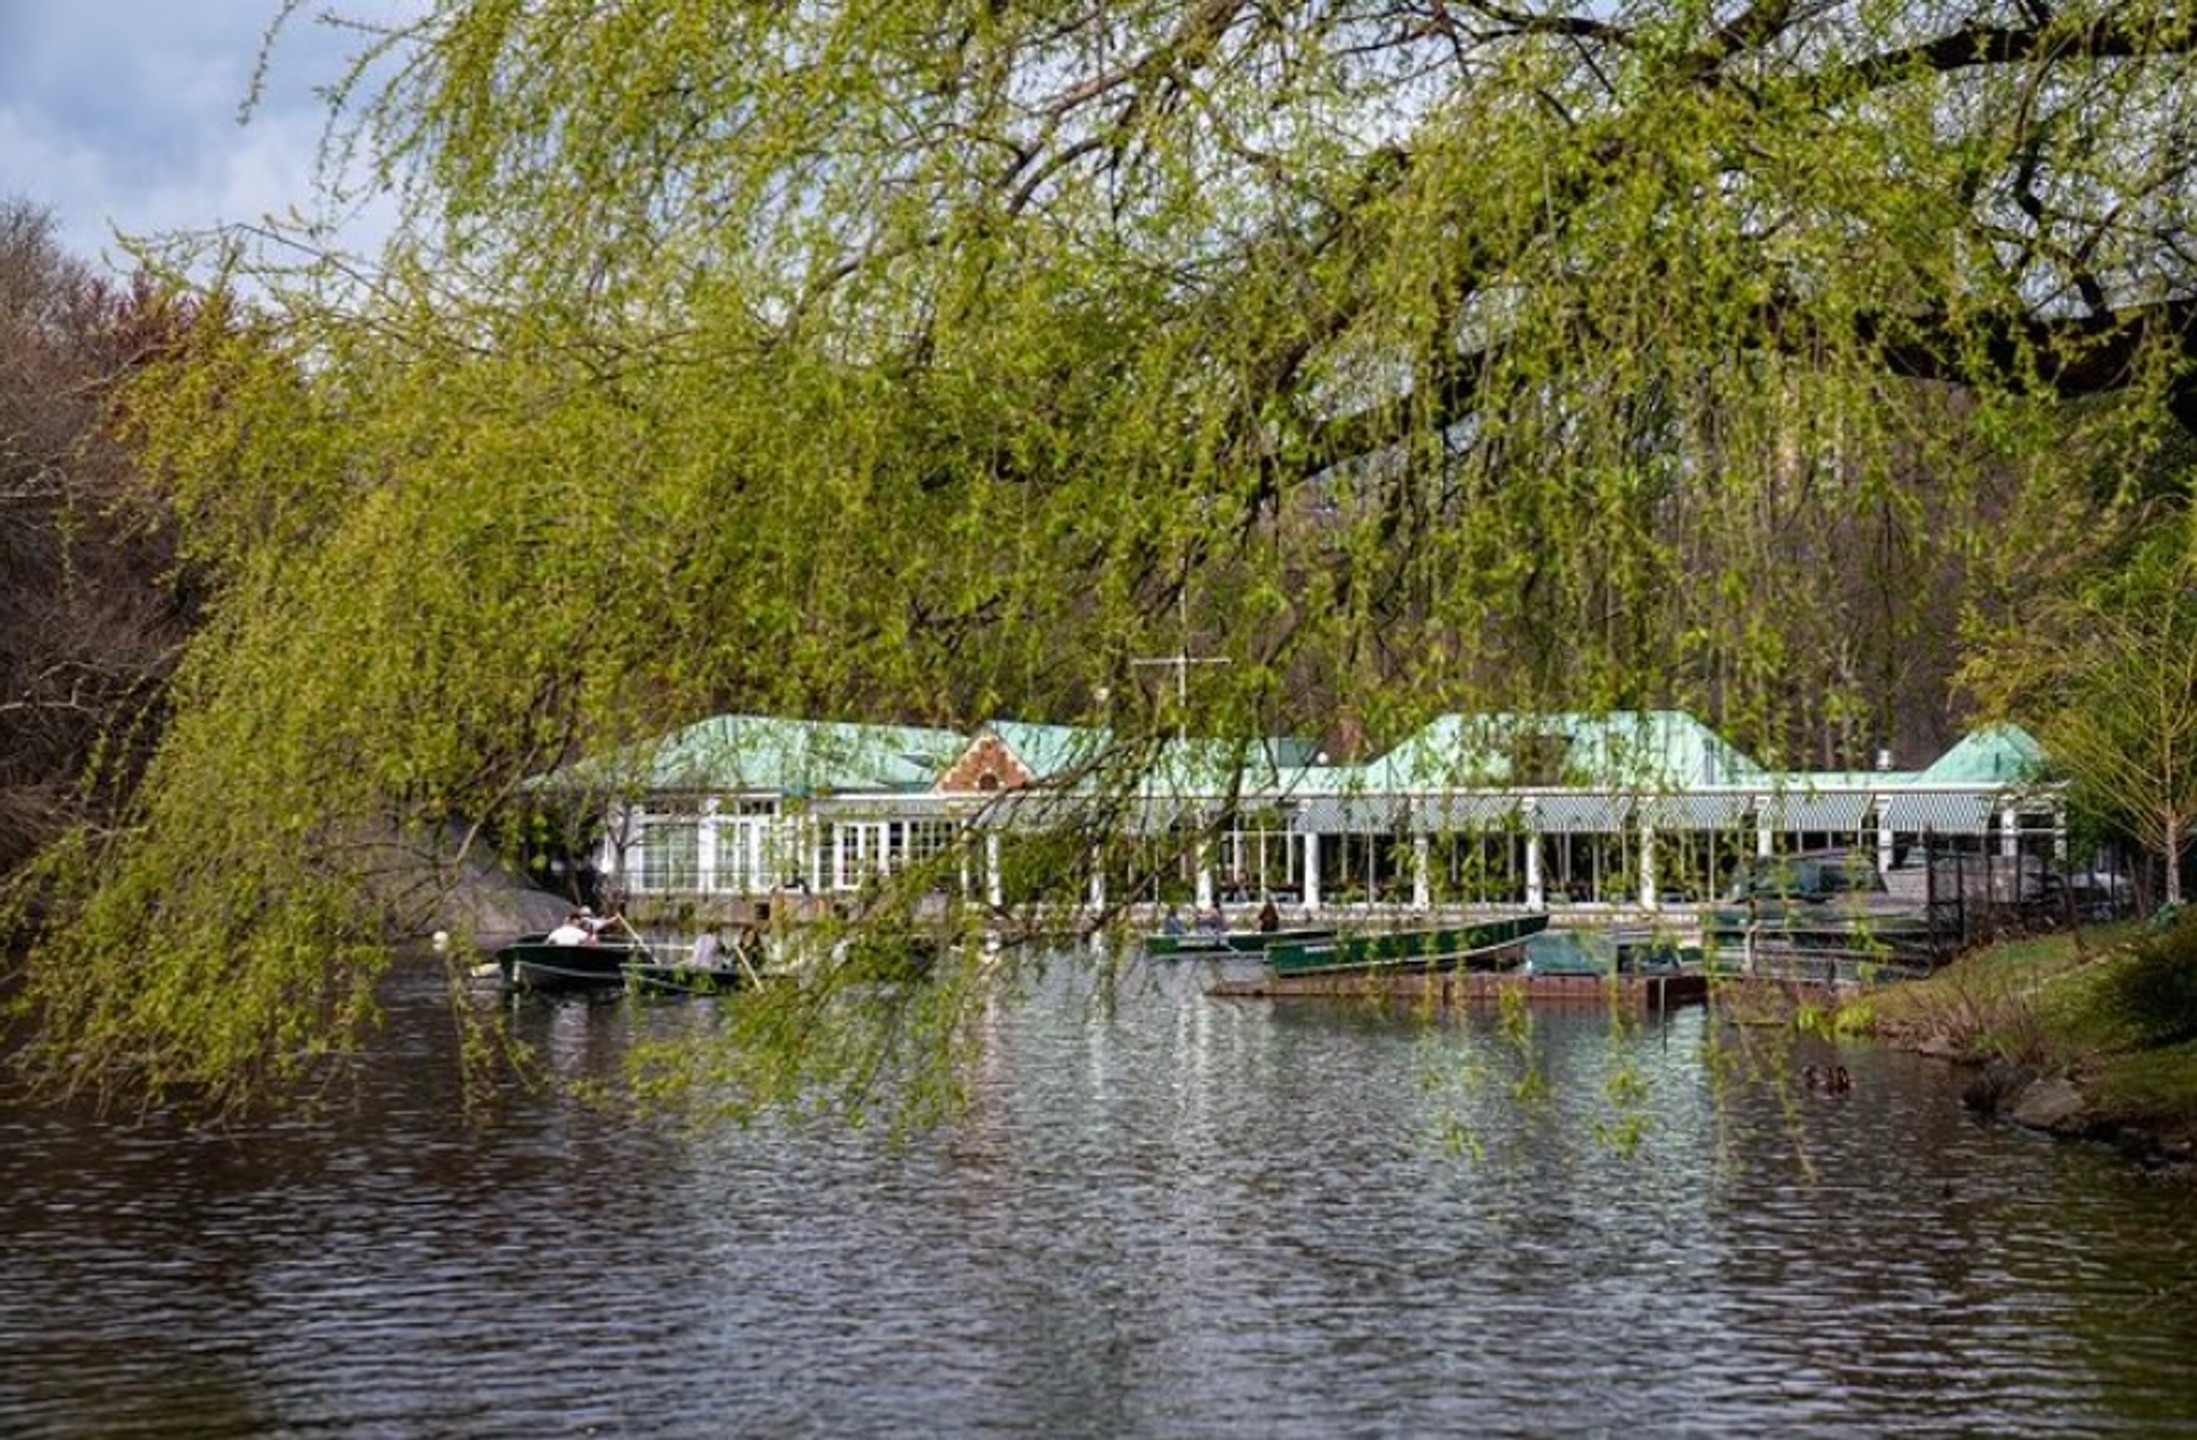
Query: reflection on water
column 1162, row 1216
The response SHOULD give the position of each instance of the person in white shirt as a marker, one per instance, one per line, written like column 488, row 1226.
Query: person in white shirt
column 574, row 931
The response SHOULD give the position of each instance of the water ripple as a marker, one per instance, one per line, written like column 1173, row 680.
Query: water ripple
column 1170, row 1217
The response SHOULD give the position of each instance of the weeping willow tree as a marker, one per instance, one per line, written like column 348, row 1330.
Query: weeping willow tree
column 928, row 362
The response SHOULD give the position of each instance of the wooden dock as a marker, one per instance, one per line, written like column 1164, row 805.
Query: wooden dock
column 1469, row 988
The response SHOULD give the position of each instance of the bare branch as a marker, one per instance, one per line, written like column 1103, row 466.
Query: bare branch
column 2105, row 37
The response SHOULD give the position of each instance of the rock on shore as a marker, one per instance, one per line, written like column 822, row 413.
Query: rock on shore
column 2058, row 1105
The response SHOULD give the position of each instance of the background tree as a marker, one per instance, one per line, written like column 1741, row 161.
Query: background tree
column 921, row 362
column 89, row 625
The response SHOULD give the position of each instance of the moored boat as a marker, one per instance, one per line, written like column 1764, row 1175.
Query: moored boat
column 1888, row 931
column 1608, row 952
column 1487, row 944
column 1823, row 903
column 1232, row 942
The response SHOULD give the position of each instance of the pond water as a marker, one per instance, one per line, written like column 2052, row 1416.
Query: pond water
column 1163, row 1215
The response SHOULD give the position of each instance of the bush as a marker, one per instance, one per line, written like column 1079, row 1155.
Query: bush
column 2154, row 994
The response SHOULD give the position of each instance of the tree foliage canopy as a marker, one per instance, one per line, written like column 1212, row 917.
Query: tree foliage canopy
column 929, row 362
column 2106, row 668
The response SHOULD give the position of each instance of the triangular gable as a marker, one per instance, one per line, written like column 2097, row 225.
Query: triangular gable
column 2003, row 753
column 1015, row 754
column 988, row 765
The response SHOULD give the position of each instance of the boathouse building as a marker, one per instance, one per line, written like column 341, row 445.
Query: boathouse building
column 1630, row 810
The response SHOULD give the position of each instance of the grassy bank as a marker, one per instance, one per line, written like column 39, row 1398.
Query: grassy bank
column 2108, row 1012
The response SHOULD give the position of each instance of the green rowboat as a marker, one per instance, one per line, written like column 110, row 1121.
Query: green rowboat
column 1233, row 942
column 1488, row 945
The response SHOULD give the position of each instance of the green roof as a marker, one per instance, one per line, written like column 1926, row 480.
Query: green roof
column 1846, row 779
column 760, row 754
column 1049, row 750
column 1052, row 750
column 1641, row 749
column 1650, row 749
column 1659, row 750
column 1212, row 765
column 2002, row 752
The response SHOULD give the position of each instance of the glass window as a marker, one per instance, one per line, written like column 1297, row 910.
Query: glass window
column 670, row 850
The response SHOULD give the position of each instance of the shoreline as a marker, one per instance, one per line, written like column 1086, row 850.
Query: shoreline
column 2059, row 1105
column 2033, row 1041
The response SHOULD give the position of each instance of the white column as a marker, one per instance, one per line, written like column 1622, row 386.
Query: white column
column 705, row 848
column 607, row 859
column 2010, row 835
column 1204, row 861
column 995, row 884
column 1537, row 890
column 1650, row 896
column 783, row 836
column 1884, row 837
column 1422, row 880
column 1311, row 873
column 1098, row 882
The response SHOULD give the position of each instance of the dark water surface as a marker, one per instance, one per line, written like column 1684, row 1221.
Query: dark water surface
column 1166, row 1216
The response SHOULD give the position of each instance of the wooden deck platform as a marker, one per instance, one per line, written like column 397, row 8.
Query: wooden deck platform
column 1476, row 987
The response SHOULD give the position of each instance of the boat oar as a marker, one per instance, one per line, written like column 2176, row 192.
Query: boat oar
column 626, row 925
column 747, row 968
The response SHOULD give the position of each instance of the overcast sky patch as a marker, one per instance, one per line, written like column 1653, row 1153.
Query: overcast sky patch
column 124, row 115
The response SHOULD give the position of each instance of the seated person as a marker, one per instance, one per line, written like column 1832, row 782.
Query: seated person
column 574, row 931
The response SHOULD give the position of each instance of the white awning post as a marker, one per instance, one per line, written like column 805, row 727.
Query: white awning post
column 1649, row 894
column 995, row 884
column 608, row 860
column 1311, row 872
column 1537, row 892
column 1422, row 866
column 1203, row 858
column 705, row 848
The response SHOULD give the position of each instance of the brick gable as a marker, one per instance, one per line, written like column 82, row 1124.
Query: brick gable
column 987, row 765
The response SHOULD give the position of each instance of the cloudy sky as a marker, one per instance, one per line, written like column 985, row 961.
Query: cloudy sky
column 123, row 114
